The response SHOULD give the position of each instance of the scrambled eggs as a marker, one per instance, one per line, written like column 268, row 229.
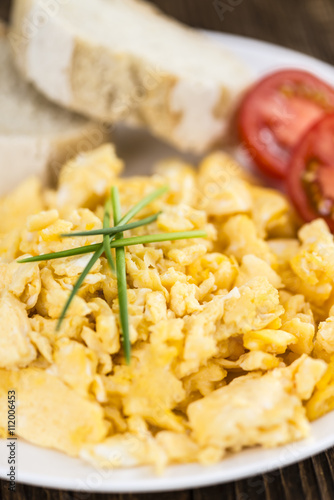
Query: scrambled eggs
column 232, row 336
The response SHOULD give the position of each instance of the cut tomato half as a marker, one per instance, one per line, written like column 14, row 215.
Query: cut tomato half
column 276, row 113
column 310, row 180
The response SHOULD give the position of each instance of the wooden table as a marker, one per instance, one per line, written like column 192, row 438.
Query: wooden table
column 305, row 25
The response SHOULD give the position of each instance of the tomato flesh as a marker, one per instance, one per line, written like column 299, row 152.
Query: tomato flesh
column 294, row 117
column 310, row 180
column 277, row 112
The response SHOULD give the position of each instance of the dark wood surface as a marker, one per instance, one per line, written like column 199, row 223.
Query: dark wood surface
column 308, row 26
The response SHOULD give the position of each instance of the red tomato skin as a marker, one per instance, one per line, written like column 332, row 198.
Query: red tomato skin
column 249, row 121
column 312, row 145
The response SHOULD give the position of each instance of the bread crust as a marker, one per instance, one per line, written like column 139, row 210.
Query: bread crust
column 26, row 155
column 41, row 153
column 122, row 87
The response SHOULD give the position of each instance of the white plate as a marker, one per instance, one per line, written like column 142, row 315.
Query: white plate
column 52, row 469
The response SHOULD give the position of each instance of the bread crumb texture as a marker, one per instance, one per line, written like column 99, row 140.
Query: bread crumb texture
column 94, row 59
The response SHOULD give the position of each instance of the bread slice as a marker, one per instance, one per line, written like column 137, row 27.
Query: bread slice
column 123, row 60
column 36, row 136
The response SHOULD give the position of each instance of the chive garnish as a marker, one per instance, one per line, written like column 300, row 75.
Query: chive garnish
column 158, row 238
column 98, row 248
column 113, row 238
column 78, row 284
column 114, row 230
column 121, row 278
column 126, row 242
column 61, row 255
column 106, row 239
column 92, row 248
column 143, row 203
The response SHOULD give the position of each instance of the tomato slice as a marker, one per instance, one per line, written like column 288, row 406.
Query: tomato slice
column 275, row 114
column 310, row 180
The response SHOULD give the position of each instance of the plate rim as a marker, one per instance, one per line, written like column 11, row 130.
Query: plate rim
column 298, row 451
column 307, row 447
